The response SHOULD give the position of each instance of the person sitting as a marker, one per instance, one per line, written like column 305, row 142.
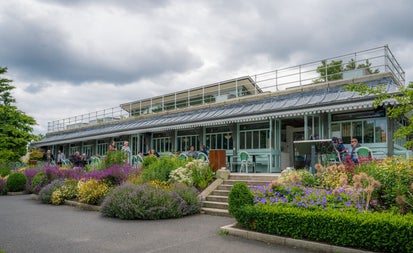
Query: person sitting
column 192, row 153
column 202, row 149
column 153, row 152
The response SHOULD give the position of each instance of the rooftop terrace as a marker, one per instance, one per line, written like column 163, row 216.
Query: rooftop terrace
column 344, row 67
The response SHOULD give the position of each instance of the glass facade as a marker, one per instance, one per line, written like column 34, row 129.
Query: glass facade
column 254, row 136
column 219, row 138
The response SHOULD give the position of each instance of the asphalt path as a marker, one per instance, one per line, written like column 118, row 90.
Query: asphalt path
column 26, row 225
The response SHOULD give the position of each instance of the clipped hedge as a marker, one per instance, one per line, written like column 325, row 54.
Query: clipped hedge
column 384, row 232
column 16, row 182
column 239, row 196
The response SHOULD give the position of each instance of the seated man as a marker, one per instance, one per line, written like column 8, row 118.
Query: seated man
column 192, row 153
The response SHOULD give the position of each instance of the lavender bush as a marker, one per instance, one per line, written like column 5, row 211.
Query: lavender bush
column 30, row 173
column 130, row 201
column 295, row 194
column 47, row 191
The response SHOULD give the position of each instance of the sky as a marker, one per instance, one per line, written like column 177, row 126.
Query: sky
column 71, row 57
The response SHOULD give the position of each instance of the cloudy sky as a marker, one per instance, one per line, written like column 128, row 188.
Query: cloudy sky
column 69, row 57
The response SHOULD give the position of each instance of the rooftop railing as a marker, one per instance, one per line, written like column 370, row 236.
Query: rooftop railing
column 348, row 66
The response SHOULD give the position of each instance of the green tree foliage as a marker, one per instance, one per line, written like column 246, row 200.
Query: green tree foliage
column 403, row 109
column 15, row 126
column 329, row 71
column 334, row 70
column 367, row 66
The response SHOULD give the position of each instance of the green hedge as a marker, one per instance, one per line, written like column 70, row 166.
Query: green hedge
column 16, row 182
column 384, row 232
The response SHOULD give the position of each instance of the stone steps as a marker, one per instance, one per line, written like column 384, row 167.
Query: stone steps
column 216, row 202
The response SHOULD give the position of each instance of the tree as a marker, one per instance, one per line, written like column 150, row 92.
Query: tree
column 401, row 106
column 15, row 126
column 330, row 71
column 334, row 70
column 367, row 66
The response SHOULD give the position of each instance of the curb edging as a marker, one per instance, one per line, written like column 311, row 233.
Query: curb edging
column 233, row 229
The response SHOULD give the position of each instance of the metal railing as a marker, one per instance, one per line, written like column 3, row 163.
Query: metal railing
column 348, row 66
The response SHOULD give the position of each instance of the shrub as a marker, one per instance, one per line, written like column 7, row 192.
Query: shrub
column 115, row 157
column 69, row 189
column 36, row 155
column 52, row 173
column 3, row 188
column 201, row 173
column 30, row 173
column 92, row 192
column 130, row 201
column 46, row 192
column 160, row 169
column 148, row 160
column 39, row 180
column 239, row 196
column 57, row 197
column 16, row 182
column 190, row 197
column 181, row 175
column 396, row 178
column 4, row 170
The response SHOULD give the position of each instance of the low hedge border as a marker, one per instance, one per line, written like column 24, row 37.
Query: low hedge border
column 382, row 232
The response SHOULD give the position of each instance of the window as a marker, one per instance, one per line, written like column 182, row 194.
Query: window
column 365, row 131
column 254, row 136
column 161, row 144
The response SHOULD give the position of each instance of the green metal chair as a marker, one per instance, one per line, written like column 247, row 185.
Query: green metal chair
column 245, row 161
column 65, row 162
column 136, row 160
column 183, row 157
column 203, row 157
column 364, row 152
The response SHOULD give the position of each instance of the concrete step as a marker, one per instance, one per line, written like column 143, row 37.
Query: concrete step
column 252, row 177
column 215, row 198
column 214, row 204
column 216, row 212
column 224, row 187
column 220, row 192
column 248, row 182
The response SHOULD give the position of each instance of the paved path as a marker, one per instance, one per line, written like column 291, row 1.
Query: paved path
column 26, row 225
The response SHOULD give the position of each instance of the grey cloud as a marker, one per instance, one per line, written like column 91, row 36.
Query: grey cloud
column 36, row 87
column 41, row 51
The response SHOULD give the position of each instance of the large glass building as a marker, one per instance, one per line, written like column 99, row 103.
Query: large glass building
column 261, row 114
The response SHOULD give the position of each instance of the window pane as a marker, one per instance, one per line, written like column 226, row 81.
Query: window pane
column 335, row 130
column 381, row 130
column 368, row 131
column 263, row 139
column 248, row 140
column 346, row 132
column 255, row 139
column 358, row 131
column 242, row 140
column 219, row 141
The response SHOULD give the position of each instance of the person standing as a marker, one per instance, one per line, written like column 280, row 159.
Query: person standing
column 60, row 157
column 48, row 157
column 126, row 150
column 202, row 149
column 112, row 146
column 354, row 145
